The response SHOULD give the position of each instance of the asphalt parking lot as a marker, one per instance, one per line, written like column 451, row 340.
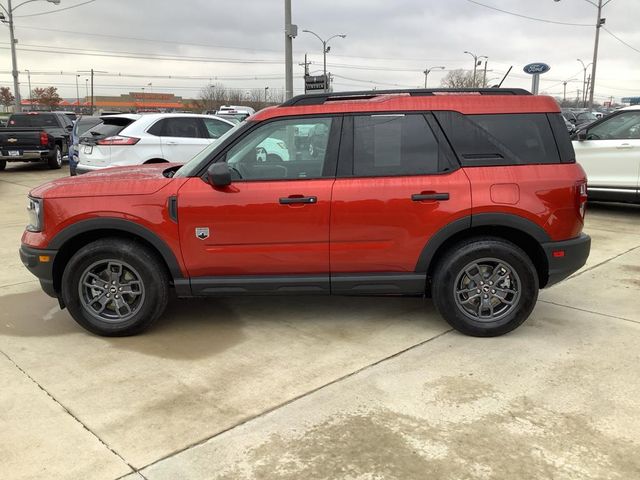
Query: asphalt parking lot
column 339, row 388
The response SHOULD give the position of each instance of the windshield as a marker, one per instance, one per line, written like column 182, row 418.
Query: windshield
column 193, row 165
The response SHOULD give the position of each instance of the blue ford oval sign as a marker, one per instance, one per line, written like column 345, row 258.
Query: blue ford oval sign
column 538, row 68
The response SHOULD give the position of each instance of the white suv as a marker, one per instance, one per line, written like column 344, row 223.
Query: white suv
column 609, row 152
column 135, row 139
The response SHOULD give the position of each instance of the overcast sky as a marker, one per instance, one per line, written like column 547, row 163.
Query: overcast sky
column 389, row 43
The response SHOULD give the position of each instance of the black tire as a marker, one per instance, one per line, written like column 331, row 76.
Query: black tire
column 55, row 158
column 145, row 305
column 3, row 165
column 485, row 274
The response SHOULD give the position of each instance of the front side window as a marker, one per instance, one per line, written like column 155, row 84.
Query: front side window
column 389, row 145
column 275, row 151
column 623, row 126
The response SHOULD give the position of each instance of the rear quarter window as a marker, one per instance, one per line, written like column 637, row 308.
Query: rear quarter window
column 503, row 139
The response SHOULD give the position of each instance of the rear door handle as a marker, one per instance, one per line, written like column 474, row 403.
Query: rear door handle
column 297, row 199
column 624, row 146
column 419, row 197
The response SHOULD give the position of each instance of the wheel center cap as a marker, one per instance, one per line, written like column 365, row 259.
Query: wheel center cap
column 485, row 288
column 113, row 289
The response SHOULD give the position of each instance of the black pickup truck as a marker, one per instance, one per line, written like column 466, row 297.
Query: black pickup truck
column 35, row 137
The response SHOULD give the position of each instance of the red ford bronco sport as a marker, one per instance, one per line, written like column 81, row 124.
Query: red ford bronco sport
column 470, row 196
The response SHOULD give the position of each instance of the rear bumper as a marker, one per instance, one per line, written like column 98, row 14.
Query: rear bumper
column 80, row 168
column 33, row 259
column 566, row 257
column 26, row 155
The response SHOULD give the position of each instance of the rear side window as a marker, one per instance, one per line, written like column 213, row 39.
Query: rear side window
column 389, row 145
column 500, row 139
column 34, row 120
column 185, row 127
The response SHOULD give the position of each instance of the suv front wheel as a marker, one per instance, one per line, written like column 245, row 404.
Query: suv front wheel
column 115, row 287
column 485, row 287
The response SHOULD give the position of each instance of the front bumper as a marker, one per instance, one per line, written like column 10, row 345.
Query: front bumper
column 40, row 263
column 566, row 257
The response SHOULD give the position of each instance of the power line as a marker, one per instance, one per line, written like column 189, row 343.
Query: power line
column 620, row 40
column 57, row 10
column 528, row 17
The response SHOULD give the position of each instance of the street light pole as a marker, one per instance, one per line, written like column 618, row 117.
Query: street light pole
column 475, row 64
column 14, row 61
column 427, row 72
column 325, row 50
column 584, row 82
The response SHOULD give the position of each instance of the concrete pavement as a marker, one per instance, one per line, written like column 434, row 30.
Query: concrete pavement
column 307, row 387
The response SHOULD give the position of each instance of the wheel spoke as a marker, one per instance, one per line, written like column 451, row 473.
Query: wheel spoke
column 102, row 300
column 115, row 271
column 477, row 277
column 131, row 288
column 121, row 304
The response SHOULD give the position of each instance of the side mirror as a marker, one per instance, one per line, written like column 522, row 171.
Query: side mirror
column 573, row 120
column 69, row 127
column 582, row 135
column 219, row 175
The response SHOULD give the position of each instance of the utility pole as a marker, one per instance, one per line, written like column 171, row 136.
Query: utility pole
column 92, row 72
column 92, row 91
column 584, row 82
column 266, row 90
column 14, row 61
column 564, row 92
column 600, row 21
column 427, row 71
column 77, row 93
column 484, row 76
column 305, row 65
column 29, row 83
column 290, row 32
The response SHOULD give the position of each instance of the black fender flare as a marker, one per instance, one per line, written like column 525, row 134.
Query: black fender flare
column 127, row 226
column 509, row 220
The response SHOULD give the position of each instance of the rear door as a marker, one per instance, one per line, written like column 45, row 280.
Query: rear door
column 182, row 138
column 611, row 155
column 397, row 185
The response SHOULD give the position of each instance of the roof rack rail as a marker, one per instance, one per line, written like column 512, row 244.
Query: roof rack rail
column 320, row 98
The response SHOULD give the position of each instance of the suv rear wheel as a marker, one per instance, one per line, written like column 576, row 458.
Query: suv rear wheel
column 3, row 164
column 485, row 287
column 115, row 287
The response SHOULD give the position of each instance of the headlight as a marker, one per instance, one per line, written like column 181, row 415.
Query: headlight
column 35, row 211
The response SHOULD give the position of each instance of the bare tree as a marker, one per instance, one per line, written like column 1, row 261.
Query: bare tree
column 6, row 97
column 212, row 96
column 461, row 79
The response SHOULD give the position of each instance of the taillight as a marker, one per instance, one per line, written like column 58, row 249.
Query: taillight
column 582, row 198
column 44, row 139
column 118, row 140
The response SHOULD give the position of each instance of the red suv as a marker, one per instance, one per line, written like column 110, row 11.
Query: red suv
column 472, row 197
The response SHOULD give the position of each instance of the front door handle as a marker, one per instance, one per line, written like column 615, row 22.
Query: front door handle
column 297, row 199
column 624, row 146
column 420, row 197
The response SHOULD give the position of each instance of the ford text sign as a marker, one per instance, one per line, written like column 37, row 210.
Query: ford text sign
column 536, row 68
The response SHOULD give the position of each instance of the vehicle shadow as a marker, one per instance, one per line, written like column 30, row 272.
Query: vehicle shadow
column 610, row 207
column 203, row 327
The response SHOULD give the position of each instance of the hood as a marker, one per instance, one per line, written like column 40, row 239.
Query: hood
column 117, row 181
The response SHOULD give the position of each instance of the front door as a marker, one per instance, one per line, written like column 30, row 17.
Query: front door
column 400, row 187
column 610, row 156
column 270, row 227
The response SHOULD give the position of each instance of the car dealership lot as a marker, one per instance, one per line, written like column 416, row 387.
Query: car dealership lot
column 312, row 387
